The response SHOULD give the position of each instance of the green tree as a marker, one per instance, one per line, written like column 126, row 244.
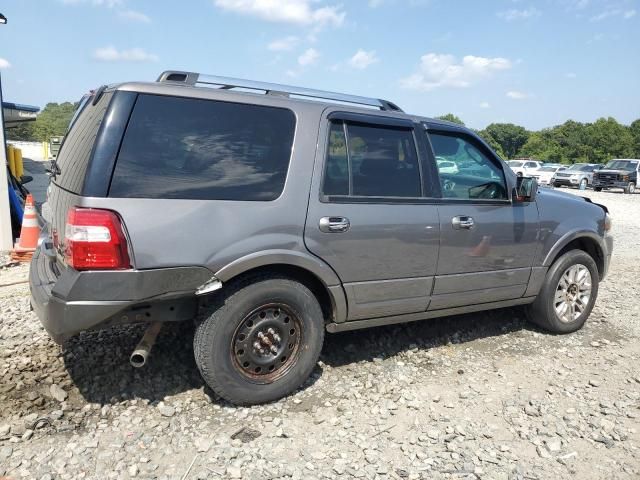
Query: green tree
column 52, row 121
column 510, row 137
column 450, row 117
column 634, row 129
column 609, row 139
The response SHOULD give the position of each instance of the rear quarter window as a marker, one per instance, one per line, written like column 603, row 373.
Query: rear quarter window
column 187, row 148
column 75, row 152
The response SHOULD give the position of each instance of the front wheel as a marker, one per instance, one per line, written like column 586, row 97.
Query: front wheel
column 597, row 189
column 583, row 184
column 631, row 188
column 262, row 342
column 568, row 294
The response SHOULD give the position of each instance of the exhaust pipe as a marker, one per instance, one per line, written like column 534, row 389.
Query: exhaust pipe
column 143, row 349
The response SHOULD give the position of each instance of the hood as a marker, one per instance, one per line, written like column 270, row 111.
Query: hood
column 618, row 172
column 553, row 194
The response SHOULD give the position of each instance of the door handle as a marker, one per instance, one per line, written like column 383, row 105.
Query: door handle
column 462, row 222
column 334, row 224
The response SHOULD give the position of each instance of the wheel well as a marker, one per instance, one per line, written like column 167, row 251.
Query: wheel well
column 587, row 245
column 305, row 277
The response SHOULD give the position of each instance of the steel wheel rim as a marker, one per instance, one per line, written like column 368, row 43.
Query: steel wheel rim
column 584, row 182
column 266, row 343
column 572, row 293
column 632, row 188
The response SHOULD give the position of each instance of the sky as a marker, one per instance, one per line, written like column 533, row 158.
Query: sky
column 533, row 63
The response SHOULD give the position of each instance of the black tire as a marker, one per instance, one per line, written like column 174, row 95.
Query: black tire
column 597, row 189
column 218, row 360
column 542, row 311
column 631, row 188
column 556, row 185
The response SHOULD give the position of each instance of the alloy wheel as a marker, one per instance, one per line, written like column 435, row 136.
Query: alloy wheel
column 572, row 293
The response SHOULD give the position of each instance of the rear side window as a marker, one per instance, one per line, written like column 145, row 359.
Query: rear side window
column 371, row 161
column 73, row 157
column 187, row 148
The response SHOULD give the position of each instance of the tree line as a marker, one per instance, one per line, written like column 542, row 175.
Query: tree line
column 52, row 121
column 571, row 142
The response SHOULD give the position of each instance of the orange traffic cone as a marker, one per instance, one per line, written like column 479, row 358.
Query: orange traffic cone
column 29, row 233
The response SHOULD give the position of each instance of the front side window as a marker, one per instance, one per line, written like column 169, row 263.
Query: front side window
column 371, row 161
column 475, row 176
column 187, row 148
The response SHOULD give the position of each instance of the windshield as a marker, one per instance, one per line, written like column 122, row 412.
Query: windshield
column 622, row 165
column 513, row 163
column 580, row 168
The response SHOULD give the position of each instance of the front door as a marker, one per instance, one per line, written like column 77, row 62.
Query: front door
column 487, row 242
column 370, row 217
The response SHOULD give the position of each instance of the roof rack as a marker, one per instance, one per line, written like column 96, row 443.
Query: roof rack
column 226, row 83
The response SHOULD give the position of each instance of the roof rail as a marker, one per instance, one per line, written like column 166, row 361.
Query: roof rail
column 226, row 83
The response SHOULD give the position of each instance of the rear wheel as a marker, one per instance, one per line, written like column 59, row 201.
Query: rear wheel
column 631, row 188
column 568, row 294
column 262, row 342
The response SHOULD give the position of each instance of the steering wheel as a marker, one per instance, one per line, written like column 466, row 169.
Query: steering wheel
column 448, row 187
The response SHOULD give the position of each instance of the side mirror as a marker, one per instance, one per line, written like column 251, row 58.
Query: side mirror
column 526, row 189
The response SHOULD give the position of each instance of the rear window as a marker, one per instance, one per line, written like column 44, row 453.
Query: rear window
column 186, row 148
column 73, row 158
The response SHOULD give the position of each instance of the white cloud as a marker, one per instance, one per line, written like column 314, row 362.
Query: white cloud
column 442, row 70
column 283, row 44
column 485, row 105
column 134, row 16
column 515, row 14
column 4, row 63
column 299, row 12
column 615, row 12
column 516, row 95
column 362, row 59
column 111, row 54
column 309, row 57
column 96, row 3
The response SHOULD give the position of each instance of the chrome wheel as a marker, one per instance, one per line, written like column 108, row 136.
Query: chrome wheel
column 572, row 293
column 266, row 343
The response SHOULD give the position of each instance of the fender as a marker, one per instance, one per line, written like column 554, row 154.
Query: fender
column 302, row 260
column 568, row 238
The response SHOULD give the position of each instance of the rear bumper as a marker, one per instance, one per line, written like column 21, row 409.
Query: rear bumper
column 68, row 302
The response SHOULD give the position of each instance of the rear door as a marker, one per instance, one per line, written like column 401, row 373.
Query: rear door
column 487, row 242
column 371, row 216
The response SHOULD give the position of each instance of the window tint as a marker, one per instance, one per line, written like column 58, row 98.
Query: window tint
column 203, row 149
column 336, row 175
column 476, row 176
column 382, row 161
column 531, row 165
column 73, row 158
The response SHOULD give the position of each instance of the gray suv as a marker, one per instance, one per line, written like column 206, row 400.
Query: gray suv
column 285, row 212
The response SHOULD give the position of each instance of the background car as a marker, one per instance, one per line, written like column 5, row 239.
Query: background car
column 523, row 168
column 577, row 175
column 618, row 173
column 446, row 166
column 546, row 174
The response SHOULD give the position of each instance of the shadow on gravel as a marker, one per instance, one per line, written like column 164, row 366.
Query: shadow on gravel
column 98, row 362
column 380, row 342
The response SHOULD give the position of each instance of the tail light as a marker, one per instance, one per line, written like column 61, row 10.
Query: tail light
column 94, row 240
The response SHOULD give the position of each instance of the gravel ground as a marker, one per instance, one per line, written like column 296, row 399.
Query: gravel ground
column 474, row 396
